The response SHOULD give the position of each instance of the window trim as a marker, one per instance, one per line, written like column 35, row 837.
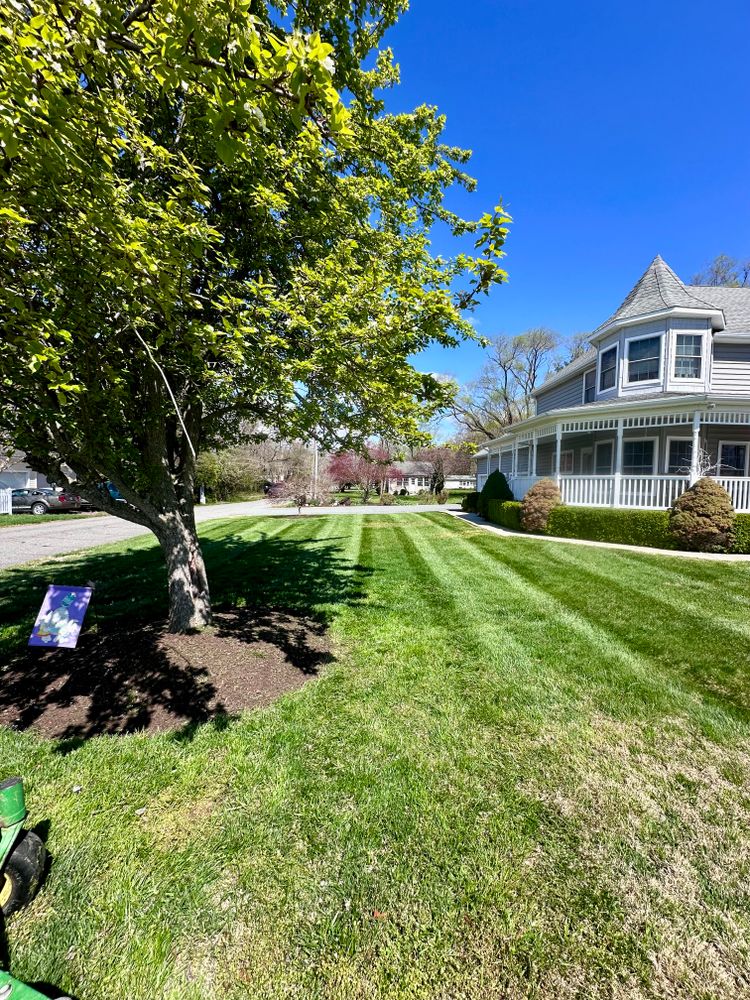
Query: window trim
column 670, row 439
column 655, row 462
column 527, row 449
column 681, row 379
column 597, row 445
column 644, row 381
column 612, row 388
column 583, row 387
column 572, row 470
column 588, row 450
column 745, row 445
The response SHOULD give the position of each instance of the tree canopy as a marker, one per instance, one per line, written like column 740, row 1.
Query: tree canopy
column 209, row 218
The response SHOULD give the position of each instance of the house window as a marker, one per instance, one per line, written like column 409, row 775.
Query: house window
column 589, row 386
column 566, row 462
column 608, row 369
column 688, row 351
column 603, row 455
column 522, row 462
column 679, row 456
column 639, row 457
column 732, row 458
column 644, row 359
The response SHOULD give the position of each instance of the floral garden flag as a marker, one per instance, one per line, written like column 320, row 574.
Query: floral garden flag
column 60, row 617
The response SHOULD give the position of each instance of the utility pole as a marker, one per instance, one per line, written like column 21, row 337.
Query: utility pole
column 315, row 468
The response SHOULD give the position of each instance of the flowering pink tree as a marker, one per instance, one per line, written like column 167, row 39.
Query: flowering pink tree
column 368, row 470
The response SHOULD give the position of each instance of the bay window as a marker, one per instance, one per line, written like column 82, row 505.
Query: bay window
column 688, row 352
column 644, row 359
column 608, row 369
column 589, row 386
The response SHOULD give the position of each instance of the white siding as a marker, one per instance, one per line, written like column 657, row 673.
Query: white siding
column 730, row 372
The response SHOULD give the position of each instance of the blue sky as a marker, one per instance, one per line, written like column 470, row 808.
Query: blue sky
column 612, row 132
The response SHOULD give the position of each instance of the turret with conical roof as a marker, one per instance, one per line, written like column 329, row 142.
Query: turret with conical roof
column 658, row 289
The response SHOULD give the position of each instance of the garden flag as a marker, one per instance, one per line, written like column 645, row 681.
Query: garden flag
column 60, row 617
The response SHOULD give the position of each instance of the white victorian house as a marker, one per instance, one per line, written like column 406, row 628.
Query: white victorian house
column 661, row 397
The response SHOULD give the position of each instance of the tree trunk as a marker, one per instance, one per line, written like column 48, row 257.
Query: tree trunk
column 189, row 600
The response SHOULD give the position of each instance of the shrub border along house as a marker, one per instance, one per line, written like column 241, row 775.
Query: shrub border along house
column 649, row 528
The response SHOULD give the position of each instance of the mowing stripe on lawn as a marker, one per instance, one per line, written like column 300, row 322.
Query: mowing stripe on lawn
column 480, row 561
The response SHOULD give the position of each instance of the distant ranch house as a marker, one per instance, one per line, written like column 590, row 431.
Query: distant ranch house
column 415, row 477
column 661, row 398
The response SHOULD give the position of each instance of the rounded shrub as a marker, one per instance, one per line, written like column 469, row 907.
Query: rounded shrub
column 702, row 519
column 495, row 488
column 538, row 504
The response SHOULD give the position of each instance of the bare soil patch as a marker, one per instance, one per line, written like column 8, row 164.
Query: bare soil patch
column 120, row 681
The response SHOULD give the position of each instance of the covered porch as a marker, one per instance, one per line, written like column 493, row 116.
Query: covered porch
column 628, row 459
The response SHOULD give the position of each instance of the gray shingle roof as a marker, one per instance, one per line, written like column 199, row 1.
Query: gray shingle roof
column 734, row 303
column 657, row 289
column 413, row 468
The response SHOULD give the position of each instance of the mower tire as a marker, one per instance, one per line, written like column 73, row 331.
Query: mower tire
column 22, row 873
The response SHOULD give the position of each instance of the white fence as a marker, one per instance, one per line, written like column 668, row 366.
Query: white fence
column 6, row 503
column 639, row 492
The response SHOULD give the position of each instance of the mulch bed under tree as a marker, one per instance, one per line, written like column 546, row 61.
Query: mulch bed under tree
column 120, row 681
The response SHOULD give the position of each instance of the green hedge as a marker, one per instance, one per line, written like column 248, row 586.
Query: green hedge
column 470, row 503
column 606, row 524
column 741, row 533
column 506, row 513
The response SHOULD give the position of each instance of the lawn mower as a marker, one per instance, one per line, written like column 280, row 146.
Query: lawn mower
column 22, row 860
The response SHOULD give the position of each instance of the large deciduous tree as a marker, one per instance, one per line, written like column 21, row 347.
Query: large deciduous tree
column 198, row 232
column 502, row 394
column 724, row 270
column 367, row 468
column 443, row 460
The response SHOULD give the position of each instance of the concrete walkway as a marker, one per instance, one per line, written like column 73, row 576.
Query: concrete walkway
column 29, row 542
column 506, row 533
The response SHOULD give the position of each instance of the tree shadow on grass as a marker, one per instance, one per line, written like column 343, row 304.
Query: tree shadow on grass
column 273, row 598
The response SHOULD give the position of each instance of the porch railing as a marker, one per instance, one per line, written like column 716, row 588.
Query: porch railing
column 739, row 490
column 6, row 502
column 640, row 492
column 587, row 491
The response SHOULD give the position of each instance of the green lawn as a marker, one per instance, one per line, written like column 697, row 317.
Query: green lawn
column 13, row 520
column 527, row 775
column 355, row 498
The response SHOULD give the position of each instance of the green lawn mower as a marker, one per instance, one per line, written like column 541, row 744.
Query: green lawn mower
column 22, row 861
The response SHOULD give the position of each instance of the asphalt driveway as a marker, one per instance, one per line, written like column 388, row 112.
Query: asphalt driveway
column 29, row 542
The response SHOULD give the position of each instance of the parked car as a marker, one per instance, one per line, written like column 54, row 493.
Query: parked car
column 43, row 500
column 110, row 488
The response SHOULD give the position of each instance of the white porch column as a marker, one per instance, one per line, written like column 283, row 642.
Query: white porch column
column 533, row 455
column 695, row 454
column 514, row 467
column 558, row 451
column 618, row 466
